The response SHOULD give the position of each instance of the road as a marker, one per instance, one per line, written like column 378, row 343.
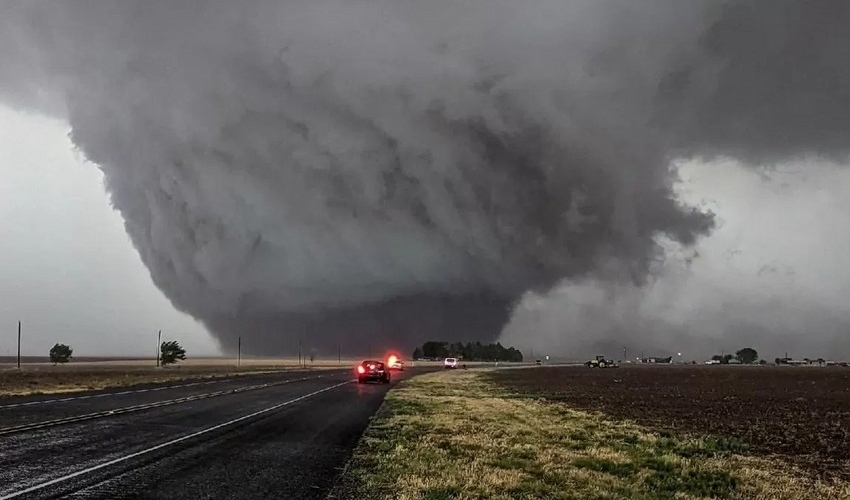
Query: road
column 282, row 436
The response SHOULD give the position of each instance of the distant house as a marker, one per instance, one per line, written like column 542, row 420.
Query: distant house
column 790, row 361
column 667, row 360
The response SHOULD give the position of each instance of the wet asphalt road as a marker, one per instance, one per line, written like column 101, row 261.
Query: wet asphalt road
column 281, row 436
column 30, row 410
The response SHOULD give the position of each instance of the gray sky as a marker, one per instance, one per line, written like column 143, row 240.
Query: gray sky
column 68, row 270
column 775, row 274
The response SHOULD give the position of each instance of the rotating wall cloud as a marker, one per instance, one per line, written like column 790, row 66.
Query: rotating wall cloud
column 403, row 170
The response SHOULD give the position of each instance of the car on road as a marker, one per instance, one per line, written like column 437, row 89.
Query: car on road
column 373, row 371
column 395, row 364
column 450, row 363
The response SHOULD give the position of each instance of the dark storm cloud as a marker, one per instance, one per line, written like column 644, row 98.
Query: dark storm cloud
column 771, row 81
column 341, row 168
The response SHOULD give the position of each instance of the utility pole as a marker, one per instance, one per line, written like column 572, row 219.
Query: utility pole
column 239, row 351
column 339, row 354
column 158, row 347
column 299, row 353
column 19, row 344
column 625, row 357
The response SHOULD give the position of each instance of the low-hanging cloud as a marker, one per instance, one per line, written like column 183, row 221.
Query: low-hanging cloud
column 399, row 170
column 774, row 275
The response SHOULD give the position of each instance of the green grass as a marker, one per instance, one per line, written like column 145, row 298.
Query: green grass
column 442, row 493
column 619, row 469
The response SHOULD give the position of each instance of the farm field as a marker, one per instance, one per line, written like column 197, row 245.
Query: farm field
column 106, row 362
column 801, row 414
column 561, row 433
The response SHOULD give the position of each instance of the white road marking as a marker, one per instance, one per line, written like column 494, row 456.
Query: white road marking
column 146, row 406
column 122, row 393
column 166, row 444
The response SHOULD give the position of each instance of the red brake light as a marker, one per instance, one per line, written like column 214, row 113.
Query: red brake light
column 360, row 369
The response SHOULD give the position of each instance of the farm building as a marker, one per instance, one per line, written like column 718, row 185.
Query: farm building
column 666, row 360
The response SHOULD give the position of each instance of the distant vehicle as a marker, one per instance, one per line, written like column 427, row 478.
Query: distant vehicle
column 450, row 363
column 395, row 364
column 713, row 362
column 600, row 362
column 538, row 362
column 372, row 371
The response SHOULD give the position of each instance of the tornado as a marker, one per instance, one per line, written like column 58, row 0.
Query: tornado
column 393, row 171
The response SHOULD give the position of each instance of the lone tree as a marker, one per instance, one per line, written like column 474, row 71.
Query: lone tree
column 171, row 352
column 747, row 355
column 60, row 353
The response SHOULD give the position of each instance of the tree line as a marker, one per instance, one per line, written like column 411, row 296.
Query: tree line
column 747, row 356
column 471, row 351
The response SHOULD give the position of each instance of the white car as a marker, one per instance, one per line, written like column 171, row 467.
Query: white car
column 450, row 363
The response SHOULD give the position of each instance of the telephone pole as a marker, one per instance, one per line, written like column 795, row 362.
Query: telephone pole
column 299, row 354
column 158, row 347
column 19, row 344
column 239, row 351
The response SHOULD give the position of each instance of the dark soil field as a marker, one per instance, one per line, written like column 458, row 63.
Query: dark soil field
column 801, row 414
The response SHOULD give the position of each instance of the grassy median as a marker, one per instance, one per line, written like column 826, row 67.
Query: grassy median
column 458, row 435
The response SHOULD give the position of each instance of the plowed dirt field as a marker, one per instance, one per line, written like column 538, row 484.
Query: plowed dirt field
column 801, row 414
